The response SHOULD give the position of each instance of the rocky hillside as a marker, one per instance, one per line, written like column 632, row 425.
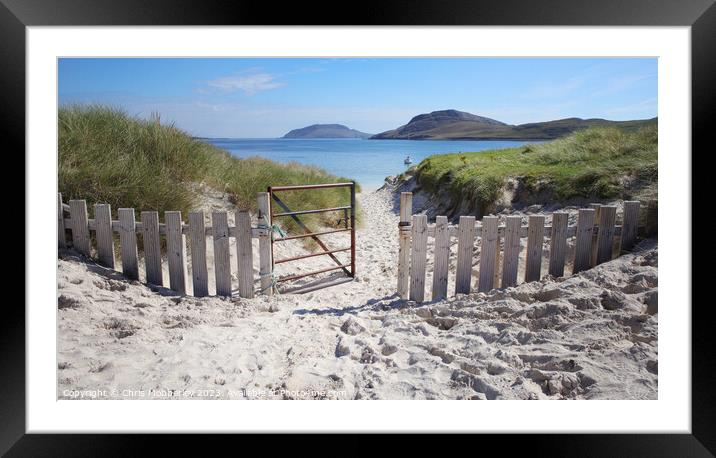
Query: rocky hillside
column 459, row 125
column 326, row 131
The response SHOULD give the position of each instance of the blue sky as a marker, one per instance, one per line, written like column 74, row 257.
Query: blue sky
column 267, row 97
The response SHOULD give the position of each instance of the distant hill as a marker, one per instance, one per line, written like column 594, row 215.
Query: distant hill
column 459, row 125
column 326, row 131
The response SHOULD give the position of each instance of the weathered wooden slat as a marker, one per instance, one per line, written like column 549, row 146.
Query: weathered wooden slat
column 245, row 254
column 80, row 228
column 404, row 231
column 597, row 210
column 498, row 257
column 265, row 257
column 152, row 247
column 605, row 237
column 104, row 235
column 465, row 244
column 442, row 258
column 535, row 239
column 128, row 244
column 222, row 256
column 197, row 238
column 630, row 224
column 418, row 257
column 583, row 243
column 558, row 247
column 488, row 253
column 512, row 251
column 61, row 241
column 176, row 250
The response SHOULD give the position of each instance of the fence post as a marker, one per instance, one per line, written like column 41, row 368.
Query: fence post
column 265, row 261
column 488, row 252
column 558, row 241
column 222, row 256
column 152, row 247
column 404, row 232
column 583, row 243
column 103, row 231
column 605, row 237
column 175, row 251
column 512, row 251
column 199, row 273
column 595, row 231
column 128, row 243
column 442, row 258
column 61, row 242
column 498, row 255
column 80, row 228
column 630, row 224
column 465, row 243
column 245, row 254
column 418, row 257
column 535, row 238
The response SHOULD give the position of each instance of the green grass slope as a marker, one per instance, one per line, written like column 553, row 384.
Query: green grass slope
column 106, row 156
column 597, row 163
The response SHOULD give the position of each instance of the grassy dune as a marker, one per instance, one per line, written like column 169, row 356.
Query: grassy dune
column 597, row 163
column 107, row 156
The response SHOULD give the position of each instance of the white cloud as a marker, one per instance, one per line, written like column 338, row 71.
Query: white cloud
column 250, row 82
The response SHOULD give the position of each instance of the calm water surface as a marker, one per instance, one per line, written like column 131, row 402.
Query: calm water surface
column 366, row 161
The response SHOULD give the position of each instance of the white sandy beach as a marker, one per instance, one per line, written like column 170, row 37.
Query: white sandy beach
column 589, row 336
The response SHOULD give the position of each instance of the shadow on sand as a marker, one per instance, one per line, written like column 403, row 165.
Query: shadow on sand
column 110, row 274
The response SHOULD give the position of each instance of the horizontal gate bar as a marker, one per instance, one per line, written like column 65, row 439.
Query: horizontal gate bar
column 306, row 212
column 313, row 234
column 318, row 241
column 315, row 272
column 309, row 186
column 310, row 255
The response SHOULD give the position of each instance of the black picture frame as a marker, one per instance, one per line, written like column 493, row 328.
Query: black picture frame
column 700, row 15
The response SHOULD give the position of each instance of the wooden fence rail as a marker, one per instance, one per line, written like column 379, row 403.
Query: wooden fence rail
column 595, row 235
column 74, row 217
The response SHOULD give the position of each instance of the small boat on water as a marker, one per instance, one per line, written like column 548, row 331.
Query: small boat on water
column 407, row 160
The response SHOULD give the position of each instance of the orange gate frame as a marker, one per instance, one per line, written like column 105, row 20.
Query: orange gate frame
column 287, row 212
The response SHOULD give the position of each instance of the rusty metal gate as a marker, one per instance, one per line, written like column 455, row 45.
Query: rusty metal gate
column 348, row 219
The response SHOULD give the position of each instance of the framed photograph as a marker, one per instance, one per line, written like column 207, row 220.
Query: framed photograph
column 268, row 223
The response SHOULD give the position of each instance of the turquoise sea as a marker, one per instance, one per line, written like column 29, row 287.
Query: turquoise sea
column 366, row 161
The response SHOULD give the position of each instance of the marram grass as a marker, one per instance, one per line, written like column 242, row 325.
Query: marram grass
column 107, row 156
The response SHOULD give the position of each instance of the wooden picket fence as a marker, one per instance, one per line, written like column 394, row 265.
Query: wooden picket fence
column 175, row 232
column 596, row 231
